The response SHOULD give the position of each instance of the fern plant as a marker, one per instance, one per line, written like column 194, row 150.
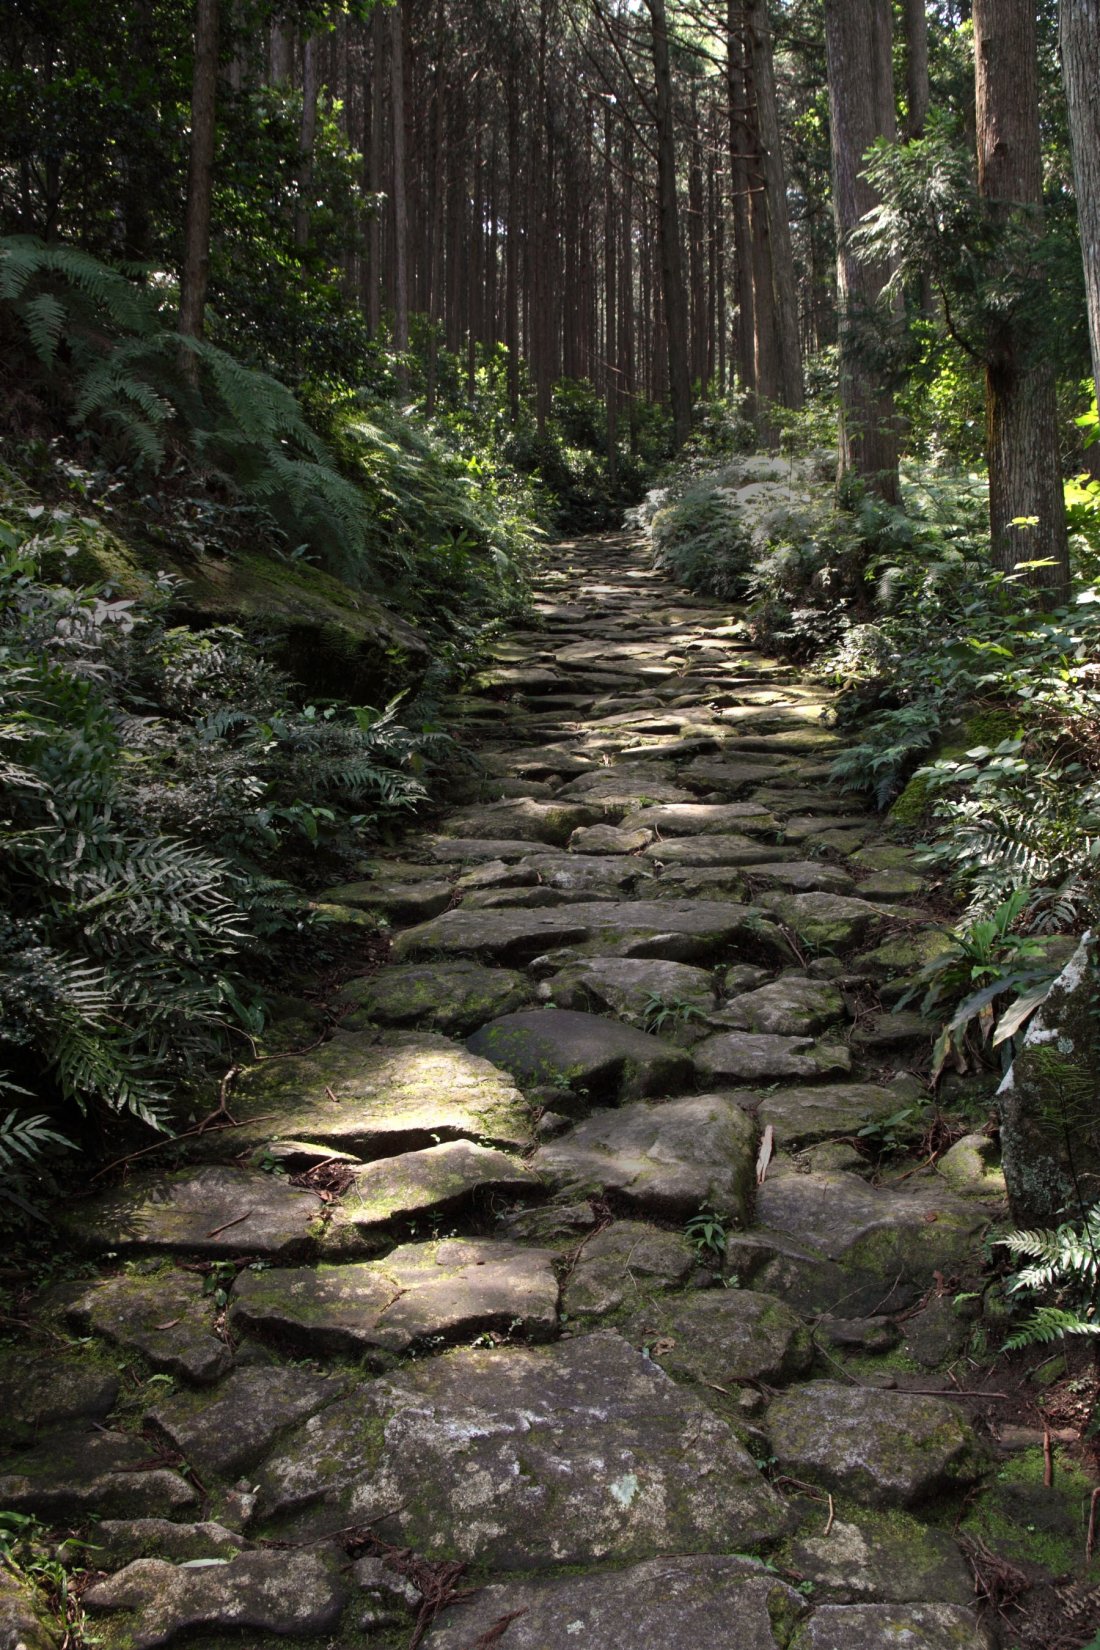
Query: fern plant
column 1065, row 1260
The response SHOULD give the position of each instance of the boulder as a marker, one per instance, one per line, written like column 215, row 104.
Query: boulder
column 600, row 1058
column 669, row 1160
column 721, row 1336
column 419, row 1186
column 520, row 1459
column 893, row 1627
column 286, row 1593
column 74, row 1474
column 666, row 1604
column 884, row 1449
column 792, row 1006
column 751, row 1057
column 451, row 998
column 625, row 1263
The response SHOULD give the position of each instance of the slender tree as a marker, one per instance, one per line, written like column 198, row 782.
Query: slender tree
column 1080, row 39
column 1025, row 484
column 400, row 192
column 195, row 271
column 672, row 267
column 859, row 37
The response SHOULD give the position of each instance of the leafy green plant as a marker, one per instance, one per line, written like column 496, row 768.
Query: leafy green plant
column 707, row 1233
column 986, row 962
column 659, row 1011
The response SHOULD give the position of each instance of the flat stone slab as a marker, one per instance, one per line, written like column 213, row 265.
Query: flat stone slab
column 225, row 1432
column 400, row 901
column 892, row 1627
column 667, row 1604
column 600, row 876
column 668, row 1159
column 801, row 1116
column 75, row 1473
column 886, row 1241
column 609, row 839
column 286, row 1593
column 212, row 1211
column 832, row 923
column 522, row 820
column 721, row 1336
column 886, row 1449
column 525, row 1458
column 787, row 1007
column 420, row 1293
column 712, row 849
column 167, row 1318
column 377, row 1099
column 451, row 998
column 694, row 931
column 680, row 819
column 752, row 1057
column 730, row 777
column 436, row 1181
column 802, row 876
column 607, row 1060
column 119, row 1541
column 664, row 996
column 884, row 1561
column 623, row 1265
column 50, row 1390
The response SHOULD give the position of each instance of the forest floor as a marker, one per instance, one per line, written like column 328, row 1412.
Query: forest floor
column 554, row 1300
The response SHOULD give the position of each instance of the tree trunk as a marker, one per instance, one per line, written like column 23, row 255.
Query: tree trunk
column 858, row 39
column 1080, row 35
column 672, row 268
column 200, row 172
column 400, row 197
column 737, row 98
column 307, row 137
column 375, row 179
column 1025, row 482
column 784, row 294
column 916, row 67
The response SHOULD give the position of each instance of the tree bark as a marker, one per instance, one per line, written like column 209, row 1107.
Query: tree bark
column 400, row 196
column 307, row 137
column 737, row 99
column 858, row 39
column 672, row 268
column 1080, row 38
column 376, row 97
column 916, row 67
column 784, row 294
column 195, row 273
column 1025, row 482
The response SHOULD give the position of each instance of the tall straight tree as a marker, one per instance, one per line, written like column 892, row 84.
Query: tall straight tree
column 1025, row 483
column 770, row 198
column 195, row 272
column 1080, row 37
column 668, row 229
column 859, row 41
column 400, row 193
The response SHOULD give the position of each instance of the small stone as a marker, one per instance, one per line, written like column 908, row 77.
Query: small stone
column 892, row 885
column 743, row 977
column 900, row 1029
column 884, row 1449
column 398, row 902
column 166, row 1317
column 833, row 923
column 935, row 1335
column 875, row 1334
column 288, row 1593
column 635, row 989
column 551, row 1124
column 970, row 1168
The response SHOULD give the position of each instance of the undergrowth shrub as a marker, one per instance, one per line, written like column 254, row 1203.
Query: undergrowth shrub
column 159, row 786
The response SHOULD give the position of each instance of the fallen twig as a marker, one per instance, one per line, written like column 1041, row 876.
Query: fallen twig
column 173, row 1139
column 829, row 1520
column 218, row 1230
column 496, row 1632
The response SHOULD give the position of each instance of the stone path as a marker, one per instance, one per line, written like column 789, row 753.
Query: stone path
column 489, row 1277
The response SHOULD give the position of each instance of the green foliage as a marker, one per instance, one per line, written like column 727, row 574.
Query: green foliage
column 1064, row 1260
column 658, row 1012
column 700, row 540
column 154, row 780
column 986, row 963
column 706, row 1232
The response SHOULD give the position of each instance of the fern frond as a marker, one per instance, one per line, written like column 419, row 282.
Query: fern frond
column 1047, row 1324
